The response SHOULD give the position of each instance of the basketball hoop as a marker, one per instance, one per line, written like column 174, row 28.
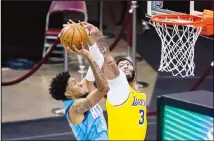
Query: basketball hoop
column 177, row 52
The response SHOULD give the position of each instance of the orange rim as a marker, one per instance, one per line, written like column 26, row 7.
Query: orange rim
column 182, row 19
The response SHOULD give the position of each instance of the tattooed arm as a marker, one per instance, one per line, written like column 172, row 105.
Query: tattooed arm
column 117, row 80
column 80, row 106
column 95, row 37
column 119, row 87
column 100, row 51
column 103, row 46
column 110, row 66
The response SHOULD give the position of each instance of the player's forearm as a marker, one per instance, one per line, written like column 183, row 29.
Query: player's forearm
column 95, row 52
column 111, row 70
column 103, row 46
column 98, row 49
column 100, row 79
column 98, row 57
column 81, row 106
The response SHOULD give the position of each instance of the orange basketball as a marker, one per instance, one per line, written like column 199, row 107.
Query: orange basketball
column 73, row 34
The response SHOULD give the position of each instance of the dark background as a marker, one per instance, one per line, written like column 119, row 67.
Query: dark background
column 23, row 23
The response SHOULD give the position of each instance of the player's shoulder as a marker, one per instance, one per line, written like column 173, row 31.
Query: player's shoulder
column 67, row 105
column 139, row 93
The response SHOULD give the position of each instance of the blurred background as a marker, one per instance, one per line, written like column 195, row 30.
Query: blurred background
column 28, row 112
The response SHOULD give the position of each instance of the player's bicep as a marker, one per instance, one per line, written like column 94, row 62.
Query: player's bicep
column 95, row 96
column 119, row 89
column 80, row 106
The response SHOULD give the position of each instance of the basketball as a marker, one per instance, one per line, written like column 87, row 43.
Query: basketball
column 73, row 34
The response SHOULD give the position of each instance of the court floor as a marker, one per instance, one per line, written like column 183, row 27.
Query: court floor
column 56, row 128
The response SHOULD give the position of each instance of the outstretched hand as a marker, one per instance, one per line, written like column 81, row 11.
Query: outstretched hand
column 93, row 32
column 69, row 22
column 82, row 51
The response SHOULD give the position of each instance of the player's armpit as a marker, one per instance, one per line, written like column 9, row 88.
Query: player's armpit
column 119, row 89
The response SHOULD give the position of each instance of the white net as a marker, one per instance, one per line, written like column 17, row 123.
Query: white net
column 177, row 51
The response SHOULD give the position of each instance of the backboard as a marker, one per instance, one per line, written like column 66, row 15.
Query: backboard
column 197, row 7
column 178, row 38
column 188, row 7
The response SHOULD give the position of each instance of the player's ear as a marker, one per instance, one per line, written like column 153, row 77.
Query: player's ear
column 68, row 94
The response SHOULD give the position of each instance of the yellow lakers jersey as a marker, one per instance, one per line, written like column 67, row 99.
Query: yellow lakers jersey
column 128, row 121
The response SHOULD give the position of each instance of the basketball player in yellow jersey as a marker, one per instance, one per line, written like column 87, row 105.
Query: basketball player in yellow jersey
column 126, row 108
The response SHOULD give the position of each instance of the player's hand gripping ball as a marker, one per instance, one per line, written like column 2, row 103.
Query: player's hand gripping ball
column 73, row 34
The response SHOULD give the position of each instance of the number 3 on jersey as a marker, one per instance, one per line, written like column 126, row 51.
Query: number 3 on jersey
column 141, row 121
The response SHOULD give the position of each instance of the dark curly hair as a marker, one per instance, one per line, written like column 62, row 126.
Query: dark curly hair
column 118, row 60
column 58, row 86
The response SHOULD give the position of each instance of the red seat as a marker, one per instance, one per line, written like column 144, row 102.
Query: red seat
column 65, row 7
column 61, row 6
column 52, row 32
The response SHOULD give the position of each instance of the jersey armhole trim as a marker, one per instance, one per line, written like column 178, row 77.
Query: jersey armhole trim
column 85, row 117
column 143, row 93
column 124, row 101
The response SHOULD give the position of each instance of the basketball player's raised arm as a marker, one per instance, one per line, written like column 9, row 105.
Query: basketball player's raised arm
column 98, row 57
column 110, row 66
column 80, row 106
column 119, row 87
column 95, row 36
column 100, row 50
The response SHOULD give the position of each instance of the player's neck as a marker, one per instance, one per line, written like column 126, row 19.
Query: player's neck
column 132, row 84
